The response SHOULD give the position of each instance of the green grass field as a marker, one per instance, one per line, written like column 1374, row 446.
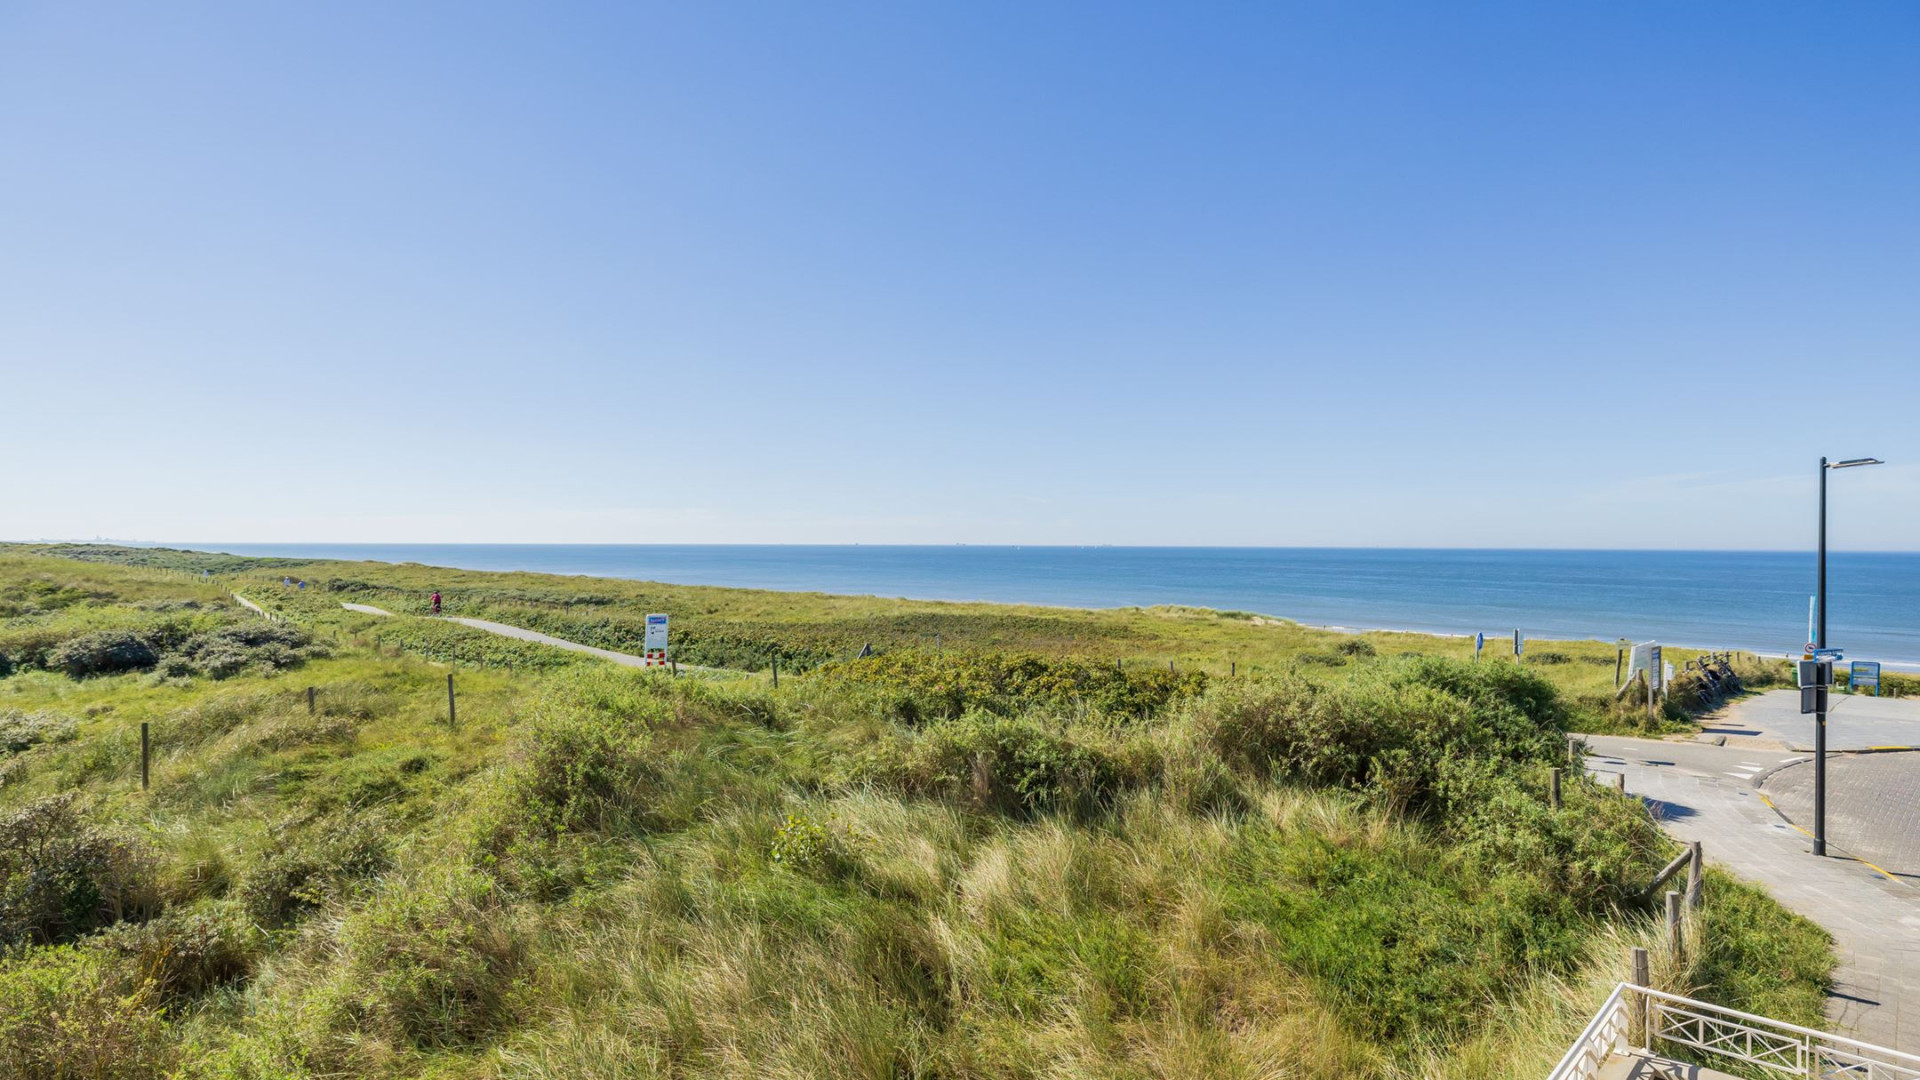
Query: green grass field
column 749, row 629
column 1005, row 857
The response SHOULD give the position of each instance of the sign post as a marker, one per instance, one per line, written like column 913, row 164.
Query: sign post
column 655, row 644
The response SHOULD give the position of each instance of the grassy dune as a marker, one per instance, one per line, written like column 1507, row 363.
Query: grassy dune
column 750, row 629
column 966, row 864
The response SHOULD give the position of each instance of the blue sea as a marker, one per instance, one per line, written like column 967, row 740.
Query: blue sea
column 1755, row 601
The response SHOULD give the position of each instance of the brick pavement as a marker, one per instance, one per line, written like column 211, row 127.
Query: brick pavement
column 1873, row 805
column 1875, row 922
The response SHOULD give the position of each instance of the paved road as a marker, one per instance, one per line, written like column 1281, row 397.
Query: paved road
column 1854, row 721
column 1707, row 793
column 1873, row 806
column 504, row 630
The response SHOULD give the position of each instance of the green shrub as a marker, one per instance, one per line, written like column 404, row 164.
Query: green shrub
column 185, row 954
column 1022, row 764
column 431, row 963
column 244, row 646
column 310, row 861
column 584, row 761
column 67, row 1012
column 103, row 652
column 815, row 847
column 1356, row 647
column 60, row 877
column 22, row 730
column 947, row 685
column 1510, row 686
column 1387, row 730
column 1595, row 854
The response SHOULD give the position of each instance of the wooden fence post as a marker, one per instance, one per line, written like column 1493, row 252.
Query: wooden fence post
column 1553, row 789
column 1233, row 667
column 145, row 751
column 452, row 721
column 1620, row 782
column 1694, row 872
column 776, row 673
column 1637, row 1013
column 1674, row 944
column 309, row 701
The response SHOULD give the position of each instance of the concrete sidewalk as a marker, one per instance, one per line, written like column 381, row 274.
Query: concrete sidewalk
column 1854, row 721
column 1705, row 793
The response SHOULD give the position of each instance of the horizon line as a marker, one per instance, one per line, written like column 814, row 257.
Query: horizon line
column 203, row 545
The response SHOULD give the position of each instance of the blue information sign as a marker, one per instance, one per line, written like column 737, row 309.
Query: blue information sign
column 1864, row 673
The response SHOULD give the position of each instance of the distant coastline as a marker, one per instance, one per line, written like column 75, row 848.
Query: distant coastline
column 1753, row 601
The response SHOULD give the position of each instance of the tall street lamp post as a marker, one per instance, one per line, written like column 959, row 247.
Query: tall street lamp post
column 1820, row 642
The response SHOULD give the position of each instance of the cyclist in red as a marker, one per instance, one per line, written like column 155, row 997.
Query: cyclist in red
column 436, row 603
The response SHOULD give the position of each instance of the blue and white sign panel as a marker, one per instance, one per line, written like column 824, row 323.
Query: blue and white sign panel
column 656, row 633
column 1863, row 674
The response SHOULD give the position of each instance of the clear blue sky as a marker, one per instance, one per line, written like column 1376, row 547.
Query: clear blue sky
column 1582, row 274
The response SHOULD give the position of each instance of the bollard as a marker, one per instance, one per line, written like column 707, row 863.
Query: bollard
column 776, row 673
column 1694, row 872
column 1553, row 789
column 1233, row 668
column 145, row 750
column 309, row 701
column 1637, row 1014
column 675, row 666
column 1620, row 782
column 1673, row 926
column 1169, row 667
column 452, row 722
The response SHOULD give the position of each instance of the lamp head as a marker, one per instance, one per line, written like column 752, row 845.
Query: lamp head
column 1852, row 462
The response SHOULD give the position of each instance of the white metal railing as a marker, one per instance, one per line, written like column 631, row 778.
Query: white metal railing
column 1787, row 1049
column 1773, row 1046
column 1605, row 1033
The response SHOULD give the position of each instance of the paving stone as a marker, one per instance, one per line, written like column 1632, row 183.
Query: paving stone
column 1873, row 805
